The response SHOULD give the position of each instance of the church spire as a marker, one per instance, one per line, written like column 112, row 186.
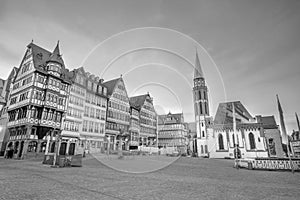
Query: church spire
column 55, row 56
column 198, row 73
column 282, row 124
column 56, row 50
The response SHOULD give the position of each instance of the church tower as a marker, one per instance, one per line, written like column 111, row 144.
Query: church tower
column 201, row 107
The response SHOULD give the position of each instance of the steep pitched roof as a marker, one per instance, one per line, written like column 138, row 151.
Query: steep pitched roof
column 224, row 113
column 176, row 118
column 110, row 85
column 138, row 101
column 198, row 73
column 56, row 56
column 40, row 56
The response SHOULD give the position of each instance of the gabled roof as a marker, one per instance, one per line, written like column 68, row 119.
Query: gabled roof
column 41, row 56
column 110, row 85
column 224, row 113
column 198, row 73
column 138, row 101
column 176, row 118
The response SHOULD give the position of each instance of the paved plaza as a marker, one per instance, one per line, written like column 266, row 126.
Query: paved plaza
column 185, row 178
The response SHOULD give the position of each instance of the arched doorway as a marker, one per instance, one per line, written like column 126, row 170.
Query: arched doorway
column 16, row 147
column 32, row 146
column 72, row 149
column 9, row 150
column 43, row 147
column 21, row 149
column 63, row 148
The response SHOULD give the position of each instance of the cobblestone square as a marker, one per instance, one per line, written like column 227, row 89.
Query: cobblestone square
column 186, row 178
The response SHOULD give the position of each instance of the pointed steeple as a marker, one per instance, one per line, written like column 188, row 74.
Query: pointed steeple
column 282, row 124
column 56, row 50
column 198, row 73
column 298, row 123
column 55, row 56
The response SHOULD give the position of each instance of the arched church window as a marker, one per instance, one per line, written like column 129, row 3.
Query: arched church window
column 205, row 105
column 199, row 94
column 221, row 143
column 251, row 140
column 203, row 134
column 204, row 95
column 200, row 105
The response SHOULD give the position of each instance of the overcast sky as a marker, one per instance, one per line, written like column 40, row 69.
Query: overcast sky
column 249, row 50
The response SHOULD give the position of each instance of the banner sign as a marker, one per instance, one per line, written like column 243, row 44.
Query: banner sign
column 276, row 164
column 271, row 164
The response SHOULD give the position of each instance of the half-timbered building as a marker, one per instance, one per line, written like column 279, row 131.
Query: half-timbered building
column 37, row 102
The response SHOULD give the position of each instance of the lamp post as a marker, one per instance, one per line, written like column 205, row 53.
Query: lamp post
column 120, row 153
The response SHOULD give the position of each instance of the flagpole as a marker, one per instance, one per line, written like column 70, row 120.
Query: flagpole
column 235, row 136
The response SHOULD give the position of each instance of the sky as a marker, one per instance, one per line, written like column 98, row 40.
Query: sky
column 249, row 50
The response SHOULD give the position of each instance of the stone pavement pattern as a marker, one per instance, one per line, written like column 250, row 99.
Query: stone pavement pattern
column 186, row 178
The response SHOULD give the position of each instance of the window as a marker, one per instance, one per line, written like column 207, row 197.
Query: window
column 23, row 96
column 13, row 100
column 97, row 113
column 96, row 127
column 200, row 105
column 40, row 78
column 84, row 126
column 91, row 126
column 86, row 111
column 92, row 114
column 251, row 140
column 221, row 143
column 26, row 67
